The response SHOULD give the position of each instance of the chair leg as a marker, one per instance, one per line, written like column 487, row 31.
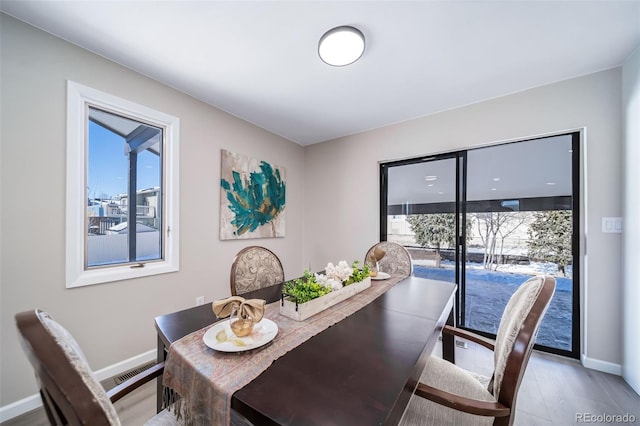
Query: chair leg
column 54, row 415
column 503, row 421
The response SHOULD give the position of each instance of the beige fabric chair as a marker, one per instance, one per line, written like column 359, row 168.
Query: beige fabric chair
column 448, row 395
column 254, row 268
column 396, row 260
column 70, row 392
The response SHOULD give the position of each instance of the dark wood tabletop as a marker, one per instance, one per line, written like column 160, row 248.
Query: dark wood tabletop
column 361, row 370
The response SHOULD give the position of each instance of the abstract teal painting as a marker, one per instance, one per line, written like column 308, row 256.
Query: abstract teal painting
column 252, row 198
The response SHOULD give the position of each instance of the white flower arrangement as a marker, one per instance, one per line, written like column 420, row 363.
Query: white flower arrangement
column 342, row 272
column 331, row 283
column 337, row 276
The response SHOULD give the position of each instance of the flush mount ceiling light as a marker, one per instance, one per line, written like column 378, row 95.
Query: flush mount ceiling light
column 341, row 46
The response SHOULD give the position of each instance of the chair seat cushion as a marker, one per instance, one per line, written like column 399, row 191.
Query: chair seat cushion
column 448, row 377
column 484, row 380
column 163, row 418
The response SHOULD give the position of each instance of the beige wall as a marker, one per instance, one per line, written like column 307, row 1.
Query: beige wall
column 631, row 290
column 114, row 321
column 342, row 175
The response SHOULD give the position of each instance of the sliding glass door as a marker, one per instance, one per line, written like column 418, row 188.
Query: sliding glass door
column 422, row 198
column 488, row 219
column 520, row 208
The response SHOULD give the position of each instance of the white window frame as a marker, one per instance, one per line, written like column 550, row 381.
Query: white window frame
column 78, row 96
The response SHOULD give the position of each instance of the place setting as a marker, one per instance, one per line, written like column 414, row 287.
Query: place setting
column 246, row 328
column 375, row 257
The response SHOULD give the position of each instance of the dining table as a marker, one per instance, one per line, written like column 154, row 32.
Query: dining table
column 362, row 369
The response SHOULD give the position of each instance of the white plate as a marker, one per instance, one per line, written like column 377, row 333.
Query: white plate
column 263, row 332
column 381, row 276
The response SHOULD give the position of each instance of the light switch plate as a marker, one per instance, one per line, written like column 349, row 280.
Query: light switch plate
column 612, row 225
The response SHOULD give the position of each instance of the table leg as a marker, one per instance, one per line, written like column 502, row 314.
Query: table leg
column 448, row 341
column 161, row 357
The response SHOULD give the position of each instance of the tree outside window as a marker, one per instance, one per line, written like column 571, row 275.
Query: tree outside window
column 550, row 236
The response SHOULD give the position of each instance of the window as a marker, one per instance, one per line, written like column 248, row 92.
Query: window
column 122, row 189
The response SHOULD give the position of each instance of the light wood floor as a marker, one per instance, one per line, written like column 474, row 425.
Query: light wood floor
column 554, row 391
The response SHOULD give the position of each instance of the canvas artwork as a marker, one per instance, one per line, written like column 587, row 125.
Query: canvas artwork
column 252, row 198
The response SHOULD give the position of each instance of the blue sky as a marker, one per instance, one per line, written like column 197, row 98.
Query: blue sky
column 108, row 167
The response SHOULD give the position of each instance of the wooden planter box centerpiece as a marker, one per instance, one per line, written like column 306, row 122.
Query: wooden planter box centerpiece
column 304, row 297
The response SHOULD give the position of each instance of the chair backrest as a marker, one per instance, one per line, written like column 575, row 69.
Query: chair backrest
column 254, row 268
column 517, row 335
column 70, row 392
column 396, row 260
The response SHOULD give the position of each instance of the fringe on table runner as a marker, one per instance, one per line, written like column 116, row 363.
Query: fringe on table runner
column 173, row 403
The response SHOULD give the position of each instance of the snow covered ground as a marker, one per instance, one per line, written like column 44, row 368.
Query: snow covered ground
column 533, row 268
column 487, row 293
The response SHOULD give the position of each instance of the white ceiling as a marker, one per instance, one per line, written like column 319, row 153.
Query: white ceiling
column 258, row 59
column 529, row 169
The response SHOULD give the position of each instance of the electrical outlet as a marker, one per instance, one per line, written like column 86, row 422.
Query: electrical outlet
column 199, row 300
column 461, row 344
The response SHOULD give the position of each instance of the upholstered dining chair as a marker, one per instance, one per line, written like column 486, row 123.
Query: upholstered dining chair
column 449, row 395
column 70, row 393
column 253, row 268
column 396, row 260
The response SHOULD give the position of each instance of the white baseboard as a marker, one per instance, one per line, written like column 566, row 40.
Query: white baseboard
column 604, row 366
column 32, row 402
column 20, row 407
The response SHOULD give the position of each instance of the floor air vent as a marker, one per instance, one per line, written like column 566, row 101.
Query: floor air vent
column 129, row 374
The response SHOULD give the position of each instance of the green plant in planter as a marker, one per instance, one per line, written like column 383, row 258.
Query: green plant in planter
column 304, row 289
column 358, row 274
